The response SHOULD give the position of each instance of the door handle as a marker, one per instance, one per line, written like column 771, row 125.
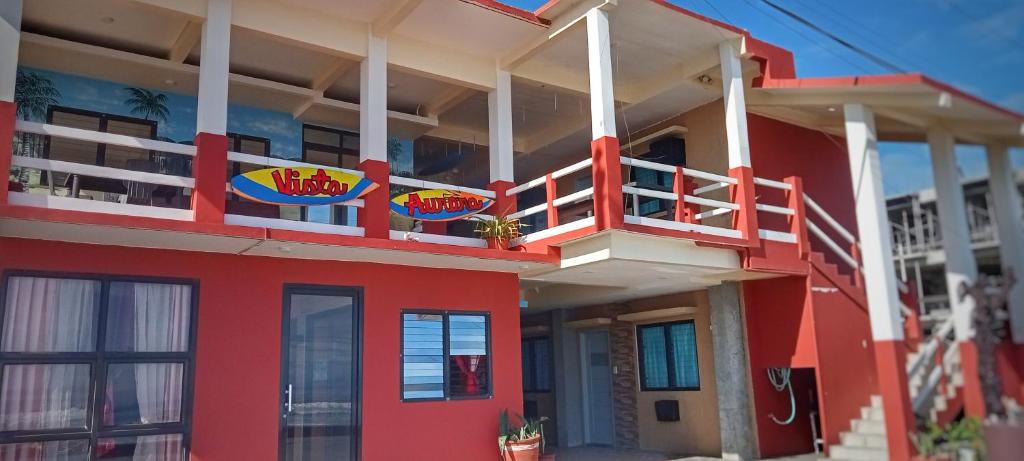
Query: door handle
column 288, row 405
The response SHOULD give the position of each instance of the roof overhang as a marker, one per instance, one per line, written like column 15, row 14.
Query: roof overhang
column 906, row 107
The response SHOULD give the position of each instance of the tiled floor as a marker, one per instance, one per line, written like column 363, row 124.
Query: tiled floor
column 609, row 454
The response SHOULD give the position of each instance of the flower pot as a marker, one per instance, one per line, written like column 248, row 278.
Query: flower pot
column 1005, row 441
column 523, row 450
column 497, row 244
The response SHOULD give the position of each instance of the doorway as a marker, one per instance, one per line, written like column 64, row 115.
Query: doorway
column 596, row 371
column 320, row 372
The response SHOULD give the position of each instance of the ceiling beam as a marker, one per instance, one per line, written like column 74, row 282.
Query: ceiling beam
column 186, row 41
column 910, row 101
column 336, row 69
column 448, row 99
column 556, row 131
column 686, row 71
column 387, row 22
column 559, row 24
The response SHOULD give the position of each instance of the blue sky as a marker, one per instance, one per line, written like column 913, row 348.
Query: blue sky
column 975, row 45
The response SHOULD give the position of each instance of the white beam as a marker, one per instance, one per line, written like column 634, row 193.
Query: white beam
column 873, row 224
column 212, row 111
column 735, row 104
column 373, row 101
column 499, row 123
column 186, row 41
column 10, row 37
column 330, row 74
column 599, row 52
column 1007, row 203
column 793, row 98
column 388, row 21
column 448, row 99
column 961, row 266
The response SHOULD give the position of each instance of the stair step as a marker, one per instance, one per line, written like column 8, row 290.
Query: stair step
column 876, row 401
column 863, row 426
column 848, row 453
column 853, row 439
column 872, row 413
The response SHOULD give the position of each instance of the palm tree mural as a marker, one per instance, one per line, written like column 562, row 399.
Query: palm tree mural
column 146, row 104
column 33, row 95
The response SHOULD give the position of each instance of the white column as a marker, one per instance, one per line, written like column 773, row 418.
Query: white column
column 956, row 241
column 373, row 101
column 212, row 110
column 873, row 224
column 735, row 104
column 499, row 126
column 602, row 95
column 10, row 38
column 1006, row 202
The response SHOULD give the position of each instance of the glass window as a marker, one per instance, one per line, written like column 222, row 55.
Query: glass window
column 537, row 364
column 668, row 356
column 445, row 355
column 59, row 377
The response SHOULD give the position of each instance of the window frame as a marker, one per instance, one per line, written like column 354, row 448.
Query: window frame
column 99, row 360
column 104, row 118
column 533, row 387
column 446, row 355
column 669, row 357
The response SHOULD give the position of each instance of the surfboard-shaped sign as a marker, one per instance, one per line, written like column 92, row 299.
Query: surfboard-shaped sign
column 439, row 205
column 301, row 186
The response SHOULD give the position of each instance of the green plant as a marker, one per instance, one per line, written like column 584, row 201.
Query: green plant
column 525, row 430
column 948, row 439
column 500, row 228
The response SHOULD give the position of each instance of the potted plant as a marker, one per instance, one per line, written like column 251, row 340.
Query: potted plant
column 1004, row 432
column 960, row 440
column 498, row 231
column 521, row 442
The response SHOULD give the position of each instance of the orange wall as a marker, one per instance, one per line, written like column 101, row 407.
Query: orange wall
column 237, row 385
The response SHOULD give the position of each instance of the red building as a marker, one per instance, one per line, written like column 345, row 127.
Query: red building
column 705, row 266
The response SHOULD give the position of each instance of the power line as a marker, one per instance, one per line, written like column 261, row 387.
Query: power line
column 845, row 44
column 812, row 41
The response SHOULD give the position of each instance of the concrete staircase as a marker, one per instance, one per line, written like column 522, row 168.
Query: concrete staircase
column 866, row 440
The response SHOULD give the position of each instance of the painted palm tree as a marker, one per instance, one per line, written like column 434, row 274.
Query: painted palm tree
column 34, row 94
column 146, row 103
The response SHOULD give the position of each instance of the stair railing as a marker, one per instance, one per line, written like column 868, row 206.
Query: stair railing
column 848, row 253
column 933, row 367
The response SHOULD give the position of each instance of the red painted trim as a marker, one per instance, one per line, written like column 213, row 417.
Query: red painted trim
column 701, row 17
column 840, row 281
column 742, row 194
column 8, row 117
column 891, row 359
column 607, row 177
column 974, row 399
column 798, row 222
column 509, row 10
column 683, row 186
column 700, row 239
column 375, row 215
column 504, row 204
column 551, row 193
column 210, row 171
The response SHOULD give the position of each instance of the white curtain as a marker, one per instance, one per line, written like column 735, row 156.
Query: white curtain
column 161, row 325
column 46, row 315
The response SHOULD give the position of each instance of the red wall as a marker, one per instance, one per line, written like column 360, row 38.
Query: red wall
column 237, row 385
column 779, row 149
column 847, row 374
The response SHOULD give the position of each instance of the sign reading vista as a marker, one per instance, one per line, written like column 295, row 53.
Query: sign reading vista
column 301, row 186
column 439, row 205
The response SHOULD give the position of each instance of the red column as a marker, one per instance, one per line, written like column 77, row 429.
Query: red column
column 798, row 222
column 974, row 399
column 745, row 220
column 891, row 359
column 374, row 216
column 858, row 275
column 607, row 175
column 551, row 192
column 683, row 186
column 210, row 171
column 8, row 116
column 504, row 204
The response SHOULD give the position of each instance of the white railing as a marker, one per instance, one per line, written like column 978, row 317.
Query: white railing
column 776, row 235
column 834, row 225
column 435, row 238
column 717, row 207
column 548, row 181
column 130, row 177
column 925, row 372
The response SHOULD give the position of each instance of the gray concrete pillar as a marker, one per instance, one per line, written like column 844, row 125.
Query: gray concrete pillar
column 732, row 373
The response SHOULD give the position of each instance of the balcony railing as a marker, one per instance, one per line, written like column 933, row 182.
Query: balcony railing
column 552, row 204
column 134, row 190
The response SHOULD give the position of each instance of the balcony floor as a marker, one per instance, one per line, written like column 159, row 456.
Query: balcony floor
column 612, row 454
